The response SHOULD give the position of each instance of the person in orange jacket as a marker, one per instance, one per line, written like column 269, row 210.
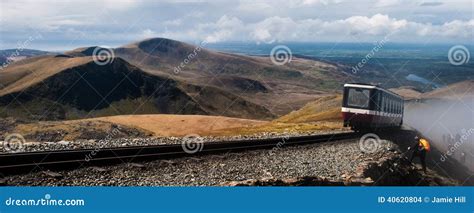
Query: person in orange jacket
column 420, row 148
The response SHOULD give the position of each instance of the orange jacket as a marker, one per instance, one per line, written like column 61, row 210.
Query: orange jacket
column 423, row 143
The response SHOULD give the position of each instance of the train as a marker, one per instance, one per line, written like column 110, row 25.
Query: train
column 368, row 107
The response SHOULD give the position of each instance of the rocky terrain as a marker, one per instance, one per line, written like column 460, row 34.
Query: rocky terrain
column 334, row 163
column 113, row 139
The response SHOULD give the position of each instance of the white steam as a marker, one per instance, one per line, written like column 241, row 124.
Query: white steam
column 449, row 124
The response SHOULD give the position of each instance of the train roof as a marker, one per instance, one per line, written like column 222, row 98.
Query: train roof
column 370, row 86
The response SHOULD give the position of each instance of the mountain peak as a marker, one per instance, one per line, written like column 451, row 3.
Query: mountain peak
column 158, row 46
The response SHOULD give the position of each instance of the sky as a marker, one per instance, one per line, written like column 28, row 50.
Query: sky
column 67, row 24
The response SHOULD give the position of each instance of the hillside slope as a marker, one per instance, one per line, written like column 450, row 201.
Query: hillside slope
column 76, row 87
column 323, row 109
column 454, row 91
column 256, row 79
column 142, row 79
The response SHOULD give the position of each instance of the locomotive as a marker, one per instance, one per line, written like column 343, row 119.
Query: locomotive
column 369, row 107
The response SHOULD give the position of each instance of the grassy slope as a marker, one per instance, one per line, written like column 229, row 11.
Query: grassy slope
column 76, row 129
column 326, row 108
column 181, row 125
column 322, row 114
column 28, row 72
column 453, row 91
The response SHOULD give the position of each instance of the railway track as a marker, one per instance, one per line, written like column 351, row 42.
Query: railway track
column 18, row 163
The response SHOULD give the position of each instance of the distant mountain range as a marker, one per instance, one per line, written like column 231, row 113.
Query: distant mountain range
column 11, row 55
column 160, row 76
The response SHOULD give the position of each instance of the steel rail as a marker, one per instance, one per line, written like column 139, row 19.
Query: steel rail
column 24, row 162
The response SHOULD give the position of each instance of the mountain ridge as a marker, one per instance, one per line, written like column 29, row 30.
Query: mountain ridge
column 209, row 83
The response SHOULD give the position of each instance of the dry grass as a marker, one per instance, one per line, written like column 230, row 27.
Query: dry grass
column 326, row 108
column 73, row 130
column 456, row 91
column 279, row 127
column 23, row 74
column 407, row 93
column 181, row 125
column 322, row 114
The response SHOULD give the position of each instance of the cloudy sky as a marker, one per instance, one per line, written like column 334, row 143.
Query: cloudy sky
column 65, row 24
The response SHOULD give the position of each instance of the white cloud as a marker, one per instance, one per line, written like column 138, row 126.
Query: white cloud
column 31, row 14
column 175, row 22
column 375, row 25
column 147, row 33
column 317, row 2
column 123, row 21
column 387, row 3
column 266, row 6
column 226, row 28
column 361, row 27
column 120, row 4
column 253, row 6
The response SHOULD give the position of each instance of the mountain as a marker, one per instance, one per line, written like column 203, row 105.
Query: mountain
column 458, row 90
column 11, row 55
column 278, row 88
column 161, row 76
column 59, row 87
column 326, row 108
column 407, row 92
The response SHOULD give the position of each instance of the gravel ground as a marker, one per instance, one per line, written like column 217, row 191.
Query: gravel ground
column 331, row 160
column 106, row 143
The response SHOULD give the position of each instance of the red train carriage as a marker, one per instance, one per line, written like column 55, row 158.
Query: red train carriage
column 366, row 106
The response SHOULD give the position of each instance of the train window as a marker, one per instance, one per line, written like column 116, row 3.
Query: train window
column 399, row 108
column 395, row 107
column 385, row 104
column 378, row 101
column 390, row 104
column 358, row 97
column 394, row 110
